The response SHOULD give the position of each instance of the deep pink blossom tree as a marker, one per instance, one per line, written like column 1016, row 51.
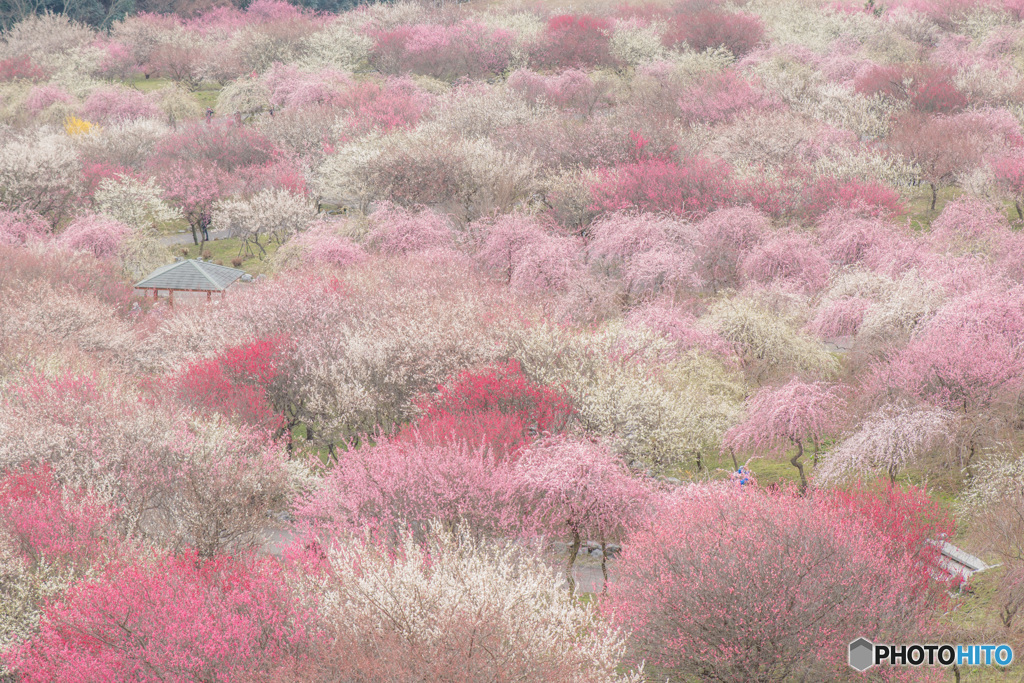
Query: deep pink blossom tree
column 176, row 618
column 738, row 585
column 693, row 186
column 779, row 418
column 195, row 187
column 51, row 523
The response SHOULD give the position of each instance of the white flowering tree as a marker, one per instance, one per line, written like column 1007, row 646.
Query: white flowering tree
column 456, row 609
column 273, row 214
column 40, row 172
column 891, row 438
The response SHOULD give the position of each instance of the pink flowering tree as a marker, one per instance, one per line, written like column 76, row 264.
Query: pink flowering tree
column 693, row 186
column 395, row 230
column 572, row 89
column 720, row 99
column 739, row 585
column 195, row 188
column 968, row 359
column 525, row 253
column 779, row 418
column 969, row 226
column 847, row 238
column 725, row 237
column 789, row 259
column 96, row 234
column 175, row 618
column 648, row 251
column 406, row 483
column 109, row 105
column 321, row 245
column 574, row 41
column 42, row 96
column 711, row 28
column 17, row 228
column 466, row 48
column 578, row 489
column 1008, row 170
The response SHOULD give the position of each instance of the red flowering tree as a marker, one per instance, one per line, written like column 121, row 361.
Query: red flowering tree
column 496, row 407
column 906, row 520
column 50, row 523
column 234, row 383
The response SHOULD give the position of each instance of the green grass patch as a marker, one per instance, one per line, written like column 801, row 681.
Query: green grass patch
column 222, row 252
column 144, row 84
column 919, row 215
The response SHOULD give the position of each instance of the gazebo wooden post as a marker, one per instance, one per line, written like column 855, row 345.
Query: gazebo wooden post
column 209, row 296
column 170, row 297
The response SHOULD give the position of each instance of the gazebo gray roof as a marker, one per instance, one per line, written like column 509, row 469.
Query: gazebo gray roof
column 191, row 275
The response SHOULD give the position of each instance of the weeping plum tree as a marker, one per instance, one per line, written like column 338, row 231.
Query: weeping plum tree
column 581, row 488
column 791, row 415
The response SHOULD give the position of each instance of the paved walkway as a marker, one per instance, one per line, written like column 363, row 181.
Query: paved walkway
column 186, row 237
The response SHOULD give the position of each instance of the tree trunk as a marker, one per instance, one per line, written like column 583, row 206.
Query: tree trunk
column 572, row 561
column 1020, row 211
column 735, row 464
column 604, row 567
column 795, row 461
column 935, row 194
column 195, row 237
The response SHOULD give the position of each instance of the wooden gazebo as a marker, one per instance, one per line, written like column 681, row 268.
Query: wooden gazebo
column 192, row 275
